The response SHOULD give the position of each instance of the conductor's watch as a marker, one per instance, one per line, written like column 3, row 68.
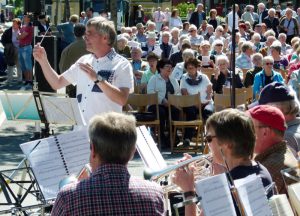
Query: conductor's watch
column 99, row 79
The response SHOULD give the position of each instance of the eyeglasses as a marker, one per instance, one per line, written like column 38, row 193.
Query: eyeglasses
column 167, row 67
column 269, row 63
column 209, row 138
column 220, row 31
column 219, row 44
column 192, row 30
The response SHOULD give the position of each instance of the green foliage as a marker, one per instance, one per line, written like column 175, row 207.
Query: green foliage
column 183, row 8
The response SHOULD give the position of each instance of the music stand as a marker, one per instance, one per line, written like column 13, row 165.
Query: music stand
column 12, row 187
column 43, row 107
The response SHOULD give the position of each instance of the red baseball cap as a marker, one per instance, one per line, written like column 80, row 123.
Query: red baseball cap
column 269, row 115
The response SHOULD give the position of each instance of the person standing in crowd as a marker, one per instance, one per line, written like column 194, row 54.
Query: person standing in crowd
column 113, row 144
column 198, row 16
column 289, row 25
column 289, row 5
column 66, row 31
column 271, row 21
column 2, row 16
column 139, row 15
column 158, row 18
column 72, row 53
column 262, row 12
column 25, row 49
column 230, row 19
column 175, row 20
column 270, row 148
column 43, row 26
column 11, row 45
column 247, row 15
column 103, row 78
column 89, row 15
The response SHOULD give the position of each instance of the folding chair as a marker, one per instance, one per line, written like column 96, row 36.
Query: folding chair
column 180, row 102
column 138, row 104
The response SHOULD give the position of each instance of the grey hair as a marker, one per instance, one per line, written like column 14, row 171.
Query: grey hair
column 104, row 27
column 247, row 45
column 188, row 53
column 222, row 58
column 113, row 136
column 276, row 45
column 268, row 58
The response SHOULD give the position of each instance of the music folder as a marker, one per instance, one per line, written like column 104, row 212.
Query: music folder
column 55, row 158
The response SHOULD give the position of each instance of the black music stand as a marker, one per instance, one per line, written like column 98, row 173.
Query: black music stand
column 12, row 188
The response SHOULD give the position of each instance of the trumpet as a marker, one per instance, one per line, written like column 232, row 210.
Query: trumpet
column 84, row 173
column 202, row 164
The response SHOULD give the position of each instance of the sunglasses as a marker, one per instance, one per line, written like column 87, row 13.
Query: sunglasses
column 209, row 138
column 269, row 63
column 219, row 44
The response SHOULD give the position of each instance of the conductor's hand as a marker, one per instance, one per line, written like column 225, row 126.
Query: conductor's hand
column 89, row 70
column 39, row 53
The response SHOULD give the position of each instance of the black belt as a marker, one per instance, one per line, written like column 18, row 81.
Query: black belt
column 24, row 45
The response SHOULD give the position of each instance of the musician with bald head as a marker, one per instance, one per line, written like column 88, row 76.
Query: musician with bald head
column 231, row 139
column 111, row 190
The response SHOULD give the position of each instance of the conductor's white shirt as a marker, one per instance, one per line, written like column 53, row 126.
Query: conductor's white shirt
column 114, row 68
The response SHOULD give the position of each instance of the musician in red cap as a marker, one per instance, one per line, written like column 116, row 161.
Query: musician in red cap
column 270, row 148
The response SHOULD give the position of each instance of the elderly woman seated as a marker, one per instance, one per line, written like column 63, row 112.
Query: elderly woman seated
column 122, row 47
column 179, row 69
column 191, row 83
column 266, row 76
column 223, row 76
column 163, row 84
column 231, row 139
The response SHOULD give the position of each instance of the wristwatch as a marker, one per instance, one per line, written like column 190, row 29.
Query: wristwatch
column 99, row 79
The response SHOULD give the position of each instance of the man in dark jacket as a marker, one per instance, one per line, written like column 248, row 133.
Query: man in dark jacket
column 198, row 16
column 271, row 21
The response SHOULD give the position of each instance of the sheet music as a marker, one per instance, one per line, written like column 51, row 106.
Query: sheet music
column 76, row 150
column 47, row 163
column 252, row 195
column 280, row 205
column 216, row 197
column 62, row 110
column 148, row 150
column 294, row 195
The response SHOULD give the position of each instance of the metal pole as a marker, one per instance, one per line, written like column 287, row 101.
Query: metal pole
column 233, row 58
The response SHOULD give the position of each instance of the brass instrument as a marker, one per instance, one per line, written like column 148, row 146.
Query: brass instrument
column 84, row 173
column 202, row 164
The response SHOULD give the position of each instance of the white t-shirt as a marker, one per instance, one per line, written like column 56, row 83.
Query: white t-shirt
column 114, row 68
column 194, row 89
